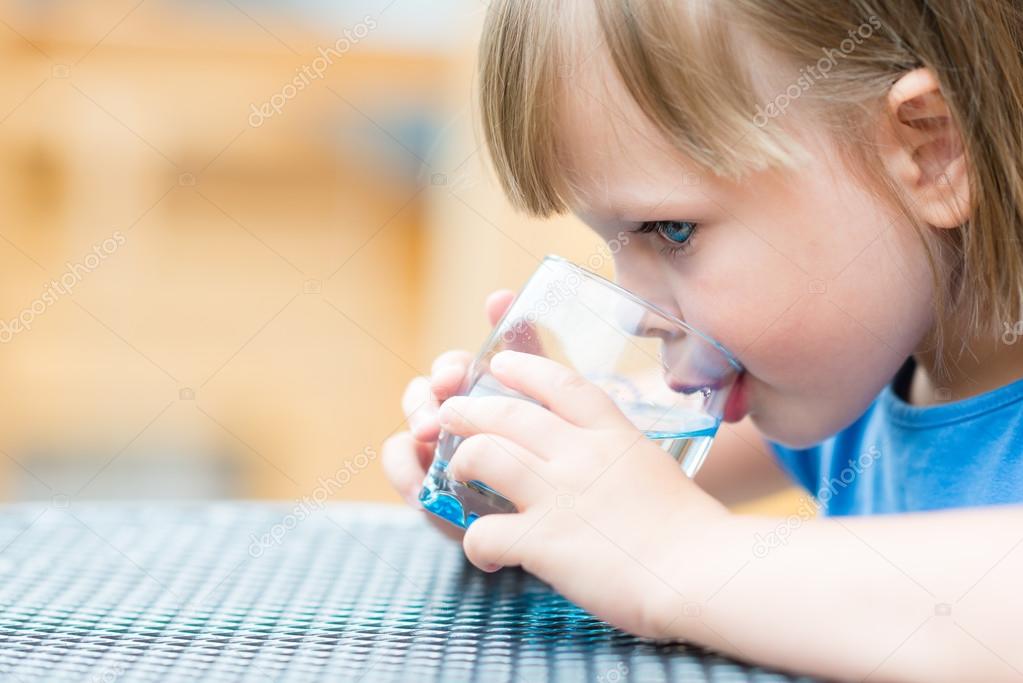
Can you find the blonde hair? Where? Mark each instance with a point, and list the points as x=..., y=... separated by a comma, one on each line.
x=683, y=64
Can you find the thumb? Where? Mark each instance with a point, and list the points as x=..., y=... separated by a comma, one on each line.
x=497, y=303
x=523, y=334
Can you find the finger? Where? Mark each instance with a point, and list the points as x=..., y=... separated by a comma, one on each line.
x=420, y=407
x=456, y=357
x=403, y=466
x=531, y=426
x=520, y=334
x=447, y=373
x=425, y=451
x=502, y=465
x=497, y=303
x=563, y=390
x=495, y=541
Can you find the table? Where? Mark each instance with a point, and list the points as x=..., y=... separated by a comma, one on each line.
x=232, y=591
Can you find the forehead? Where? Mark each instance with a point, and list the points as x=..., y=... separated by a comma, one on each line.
x=615, y=160
x=608, y=99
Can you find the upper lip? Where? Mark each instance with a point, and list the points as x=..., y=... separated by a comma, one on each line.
x=691, y=367
x=690, y=387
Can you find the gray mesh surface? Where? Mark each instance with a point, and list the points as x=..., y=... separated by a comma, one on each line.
x=224, y=592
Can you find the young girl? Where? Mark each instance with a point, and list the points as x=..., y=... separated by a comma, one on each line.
x=834, y=191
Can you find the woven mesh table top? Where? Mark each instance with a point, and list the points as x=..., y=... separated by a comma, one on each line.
x=245, y=591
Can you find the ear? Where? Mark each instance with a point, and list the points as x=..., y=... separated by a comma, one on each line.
x=922, y=148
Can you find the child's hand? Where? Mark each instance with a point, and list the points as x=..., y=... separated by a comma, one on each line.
x=605, y=516
x=407, y=455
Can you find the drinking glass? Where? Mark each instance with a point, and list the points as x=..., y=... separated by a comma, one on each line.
x=670, y=380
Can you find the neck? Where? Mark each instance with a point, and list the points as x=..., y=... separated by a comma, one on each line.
x=984, y=364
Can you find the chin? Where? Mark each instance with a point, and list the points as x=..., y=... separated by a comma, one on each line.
x=797, y=427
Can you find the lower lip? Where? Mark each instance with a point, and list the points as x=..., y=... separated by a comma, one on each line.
x=735, y=406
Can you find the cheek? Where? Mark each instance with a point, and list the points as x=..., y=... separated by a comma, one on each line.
x=735, y=287
x=821, y=303
x=813, y=258
x=873, y=307
x=819, y=366
x=847, y=340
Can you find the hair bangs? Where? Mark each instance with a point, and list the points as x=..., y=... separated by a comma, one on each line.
x=678, y=62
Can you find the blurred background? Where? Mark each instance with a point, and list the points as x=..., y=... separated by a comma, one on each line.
x=230, y=232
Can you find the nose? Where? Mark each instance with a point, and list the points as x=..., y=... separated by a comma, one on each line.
x=643, y=277
x=637, y=273
x=689, y=362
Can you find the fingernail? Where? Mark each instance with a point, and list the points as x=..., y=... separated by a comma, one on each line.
x=445, y=377
x=491, y=568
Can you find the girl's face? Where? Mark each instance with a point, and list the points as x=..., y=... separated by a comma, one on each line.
x=817, y=286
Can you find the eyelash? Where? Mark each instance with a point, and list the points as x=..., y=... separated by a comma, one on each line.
x=670, y=248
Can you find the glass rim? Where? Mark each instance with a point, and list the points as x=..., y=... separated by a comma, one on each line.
x=601, y=280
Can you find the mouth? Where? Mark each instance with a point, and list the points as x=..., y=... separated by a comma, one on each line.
x=736, y=406
x=737, y=403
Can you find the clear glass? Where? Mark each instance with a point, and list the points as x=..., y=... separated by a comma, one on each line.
x=670, y=380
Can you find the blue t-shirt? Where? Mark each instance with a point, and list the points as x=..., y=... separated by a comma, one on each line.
x=901, y=458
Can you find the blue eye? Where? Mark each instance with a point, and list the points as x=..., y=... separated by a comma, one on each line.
x=676, y=231
x=678, y=234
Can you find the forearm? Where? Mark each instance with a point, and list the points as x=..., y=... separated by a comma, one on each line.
x=925, y=597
